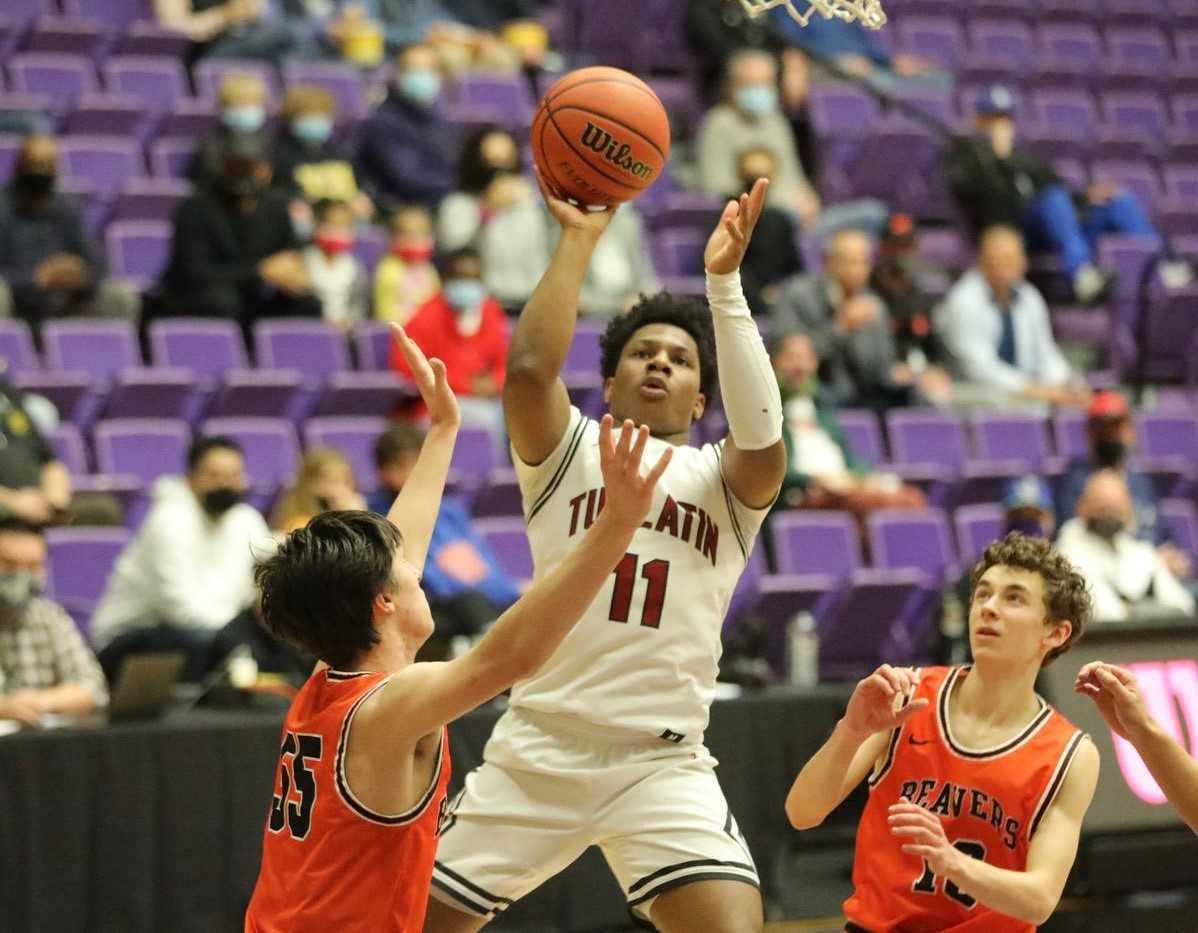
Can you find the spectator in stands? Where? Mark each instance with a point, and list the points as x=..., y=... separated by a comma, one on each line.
x=1027, y=504
x=406, y=277
x=492, y=35
x=773, y=253
x=307, y=163
x=850, y=328
x=339, y=280
x=716, y=30
x=996, y=328
x=49, y=266
x=465, y=328
x=621, y=266
x=822, y=470
x=236, y=29
x=902, y=278
x=45, y=665
x=996, y=183
x=324, y=483
x=189, y=570
x=496, y=211
x=235, y=254
x=1112, y=437
x=467, y=588
x=407, y=146
x=242, y=99
x=1127, y=577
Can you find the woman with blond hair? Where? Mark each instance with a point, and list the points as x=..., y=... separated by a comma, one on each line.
x=324, y=483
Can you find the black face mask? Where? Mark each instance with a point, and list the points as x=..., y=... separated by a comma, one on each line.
x=218, y=501
x=1105, y=526
x=1109, y=453
x=34, y=184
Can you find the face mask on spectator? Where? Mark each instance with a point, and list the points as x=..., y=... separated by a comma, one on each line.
x=247, y=118
x=35, y=184
x=17, y=588
x=218, y=501
x=1105, y=526
x=424, y=87
x=464, y=294
x=1109, y=453
x=313, y=127
x=757, y=99
x=418, y=252
x=334, y=244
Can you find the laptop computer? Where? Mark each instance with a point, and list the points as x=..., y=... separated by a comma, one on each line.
x=145, y=684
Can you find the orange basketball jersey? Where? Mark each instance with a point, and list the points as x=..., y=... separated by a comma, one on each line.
x=328, y=861
x=989, y=800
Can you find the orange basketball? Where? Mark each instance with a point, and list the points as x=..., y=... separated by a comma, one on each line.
x=600, y=137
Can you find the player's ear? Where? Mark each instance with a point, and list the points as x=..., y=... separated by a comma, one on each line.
x=1059, y=634
x=608, y=383
x=384, y=603
x=699, y=407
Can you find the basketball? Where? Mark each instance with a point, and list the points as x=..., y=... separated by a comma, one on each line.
x=600, y=137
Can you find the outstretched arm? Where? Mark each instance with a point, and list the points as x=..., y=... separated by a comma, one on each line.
x=857, y=742
x=1116, y=693
x=535, y=404
x=415, y=509
x=754, y=454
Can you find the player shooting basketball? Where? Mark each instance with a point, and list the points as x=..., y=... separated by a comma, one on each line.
x=977, y=787
x=604, y=746
x=364, y=762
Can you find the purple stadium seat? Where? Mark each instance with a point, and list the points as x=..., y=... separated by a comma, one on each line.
x=372, y=345
x=117, y=13
x=143, y=447
x=1009, y=436
x=138, y=250
x=150, y=199
x=270, y=444
x=206, y=347
x=154, y=80
x=864, y=435
x=56, y=75
x=1071, y=111
x=506, y=96
x=365, y=393
x=1169, y=334
x=473, y=456
x=370, y=245
x=28, y=112
x=16, y=347
x=78, y=563
x=315, y=348
x=688, y=209
x=148, y=38
x=1134, y=12
x=100, y=348
x=1008, y=40
x=67, y=443
x=73, y=393
x=342, y=80
x=936, y=38
x=258, y=393
x=1140, y=113
x=171, y=156
x=109, y=114
x=915, y=538
x=1069, y=433
x=1181, y=14
x=106, y=162
x=1182, y=522
x=153, y=393
x=977, y=527
x=876, y=619
x=1126, y=255
x=816, y=542
x=68, y=34
x=1181, y=182
x=354, y=437
x=583, y=357
x=211, y=71
x=1168, y=435
x=843, y=110
x=10, y=148
x=678, y=252
x=1139, y=178
x=24, y=11
x=1137, y=56
x=508, y=539
x=499, y=495
x=1070, y=53
x=188, y=119
x=1184, y=108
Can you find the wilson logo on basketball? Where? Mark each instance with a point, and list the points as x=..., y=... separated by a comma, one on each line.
x=616, y=152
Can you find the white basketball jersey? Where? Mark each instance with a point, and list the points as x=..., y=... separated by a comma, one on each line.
x=644, y=658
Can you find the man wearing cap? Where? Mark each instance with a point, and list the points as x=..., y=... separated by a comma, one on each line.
x=1111, y=434
x=1027, y=502
x=995, y=183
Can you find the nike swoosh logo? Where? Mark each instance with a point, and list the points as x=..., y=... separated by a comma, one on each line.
x=914, y=741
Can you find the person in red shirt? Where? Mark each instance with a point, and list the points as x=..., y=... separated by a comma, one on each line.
x=364, y=757
x=466, y=328
x=977, y=787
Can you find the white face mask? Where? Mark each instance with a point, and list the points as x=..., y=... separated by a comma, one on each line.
x=17, y=588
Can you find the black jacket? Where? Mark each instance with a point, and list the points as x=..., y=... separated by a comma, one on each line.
x=990, y=190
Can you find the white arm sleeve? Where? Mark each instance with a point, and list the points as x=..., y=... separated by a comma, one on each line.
x=752, y=401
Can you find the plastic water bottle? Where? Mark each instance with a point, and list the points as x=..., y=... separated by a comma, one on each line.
x=803, y=644
x=952, y=626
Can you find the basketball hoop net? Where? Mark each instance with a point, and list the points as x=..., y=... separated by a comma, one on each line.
x=868, y=12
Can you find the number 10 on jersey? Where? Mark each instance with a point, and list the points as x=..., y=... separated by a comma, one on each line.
x=656, y=573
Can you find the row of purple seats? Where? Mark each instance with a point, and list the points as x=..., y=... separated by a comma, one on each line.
x=1131, y=12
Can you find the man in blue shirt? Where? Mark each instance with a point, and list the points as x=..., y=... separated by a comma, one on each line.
x=465, y=585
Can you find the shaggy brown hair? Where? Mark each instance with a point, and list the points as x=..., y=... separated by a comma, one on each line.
x=1066, y=598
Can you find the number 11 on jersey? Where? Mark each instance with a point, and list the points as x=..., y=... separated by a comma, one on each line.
x=656, y=572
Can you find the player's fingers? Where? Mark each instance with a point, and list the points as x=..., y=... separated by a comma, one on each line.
x=417, y=361
x=1121, y=674
x=910, y=710
x=757, y=201
x=440, y=374
x=921, y=851
x=1088, y=689
x=625, y=443
x=638, y=450
x=731, y=209
x=660, y=467
x=892, y=677
x=607, y=447
x=1112, y=683
x=734, y=232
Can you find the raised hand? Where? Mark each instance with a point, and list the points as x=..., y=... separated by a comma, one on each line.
x=728, y=242
x=925, y=835
x=1117, y=695
x=571, y=217
x=872, y=707
x=628, y=494
x=431, y=379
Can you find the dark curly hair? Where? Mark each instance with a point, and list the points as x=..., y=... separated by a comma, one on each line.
x=690, y=314
x=319, y=586
x=1065, y=595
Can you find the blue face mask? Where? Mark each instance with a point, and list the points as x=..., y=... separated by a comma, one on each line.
x=757, y=99
x=464, y=294
x=248, y=119
x=424, y=87
x=312, y=128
